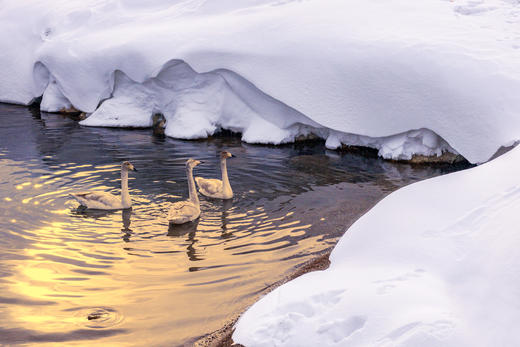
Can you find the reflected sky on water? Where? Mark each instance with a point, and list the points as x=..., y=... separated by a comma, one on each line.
x=126, y=277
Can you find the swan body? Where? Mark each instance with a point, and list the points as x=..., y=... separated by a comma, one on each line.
x=98, y=200
x=183, y=212
x=189, y=210
x=215, y=188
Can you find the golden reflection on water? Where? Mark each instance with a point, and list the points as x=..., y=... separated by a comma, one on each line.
x=132, y=265
x=126, y=277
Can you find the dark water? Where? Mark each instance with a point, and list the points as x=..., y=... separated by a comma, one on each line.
x=124, y=278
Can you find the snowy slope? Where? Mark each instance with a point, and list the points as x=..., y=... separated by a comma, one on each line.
x=283, y=68
x=434, y=264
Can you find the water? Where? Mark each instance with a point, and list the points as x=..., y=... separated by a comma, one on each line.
x=126, y=278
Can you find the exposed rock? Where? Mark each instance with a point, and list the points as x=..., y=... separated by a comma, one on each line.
x=158, y=124
x=503, y=150
x=36, y=102
x=445, y=158
x=307, y=137
x=365, y=151
x=71, y=111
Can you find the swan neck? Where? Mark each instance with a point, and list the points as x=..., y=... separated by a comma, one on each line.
x=226, y=187
x=125, y=196
x=194, y=198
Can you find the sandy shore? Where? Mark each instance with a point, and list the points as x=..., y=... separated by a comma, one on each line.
x=222, y=337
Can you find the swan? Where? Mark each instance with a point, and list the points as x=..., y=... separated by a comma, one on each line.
x=186, y=211
x=105, y=201
x=214, y=188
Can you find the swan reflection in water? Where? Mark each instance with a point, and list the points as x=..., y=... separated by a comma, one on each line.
x=182, y=229
x=126, y=218
x=226, y=206
x=190, y=228
x=81, y=211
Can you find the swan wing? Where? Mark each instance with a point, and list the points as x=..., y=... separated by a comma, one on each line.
x=98, y=200
x=183, y=212
x=209, y=186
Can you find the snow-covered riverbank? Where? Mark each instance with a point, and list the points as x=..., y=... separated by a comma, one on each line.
x=433, y=264
x=350, y=72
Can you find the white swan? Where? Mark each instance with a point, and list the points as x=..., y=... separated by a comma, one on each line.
x=186, y=211
x=214, y=188
x=106, y=201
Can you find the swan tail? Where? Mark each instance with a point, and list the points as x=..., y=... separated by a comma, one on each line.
x=79, y=198
x=200, y=182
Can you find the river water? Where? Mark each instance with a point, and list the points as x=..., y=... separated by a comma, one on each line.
x=126, y=278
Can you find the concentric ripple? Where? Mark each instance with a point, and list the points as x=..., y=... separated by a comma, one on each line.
x=97, y=317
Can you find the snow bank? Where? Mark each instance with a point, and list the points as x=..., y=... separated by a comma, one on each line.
x=434, y=264
x=198, y=105
x=374, y=69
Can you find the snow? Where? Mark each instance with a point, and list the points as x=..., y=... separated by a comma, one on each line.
x=197, y=105
x=399, y=147
x=277, y=70
x=433, y=264
x=53, y=99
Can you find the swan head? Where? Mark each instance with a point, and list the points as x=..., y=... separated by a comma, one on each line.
x=191, y=163
x=126, y=165
x=225, y=155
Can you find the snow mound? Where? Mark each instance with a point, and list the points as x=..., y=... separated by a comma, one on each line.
x=433, y=264
x=374, y=69
x=198, y=105
x=397, y=147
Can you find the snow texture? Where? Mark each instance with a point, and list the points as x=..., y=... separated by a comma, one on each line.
x=277, y=70
x=433, y=264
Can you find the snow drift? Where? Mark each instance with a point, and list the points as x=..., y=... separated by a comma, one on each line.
x=433, y=264
x=198, y=105
x=357, y=68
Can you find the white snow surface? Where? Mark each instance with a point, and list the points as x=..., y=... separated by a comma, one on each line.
x=433, y=264
x=277, y=69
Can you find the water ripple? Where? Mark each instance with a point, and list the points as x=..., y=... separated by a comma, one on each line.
x=70, y=273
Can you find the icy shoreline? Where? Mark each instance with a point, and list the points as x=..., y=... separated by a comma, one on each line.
x=197, y=105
